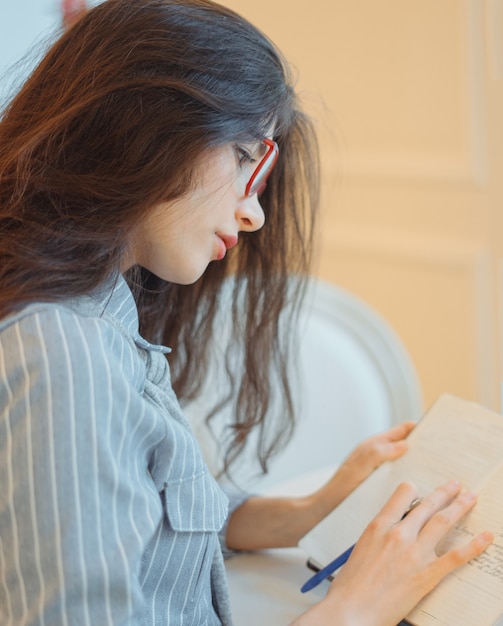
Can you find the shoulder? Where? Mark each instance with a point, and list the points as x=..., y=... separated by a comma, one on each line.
x=62, y=378
x=53, y=328
x=52, y=341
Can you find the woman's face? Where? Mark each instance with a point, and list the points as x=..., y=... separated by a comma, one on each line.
x=180, y=238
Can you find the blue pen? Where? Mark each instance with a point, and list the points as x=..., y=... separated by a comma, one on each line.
x=337, y=563
x=325, y=572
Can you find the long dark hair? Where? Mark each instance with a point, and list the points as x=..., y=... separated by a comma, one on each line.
x=111, y=123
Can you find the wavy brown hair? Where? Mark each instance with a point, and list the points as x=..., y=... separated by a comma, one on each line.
x=111, y=123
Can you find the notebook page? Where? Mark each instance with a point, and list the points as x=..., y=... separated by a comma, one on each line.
x=472, y=594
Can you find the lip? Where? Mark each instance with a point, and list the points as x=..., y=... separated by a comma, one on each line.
x=229, y=240
x=225, y=243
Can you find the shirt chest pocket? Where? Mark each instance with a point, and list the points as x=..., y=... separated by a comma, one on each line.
x=195, y=504
x=192, y=499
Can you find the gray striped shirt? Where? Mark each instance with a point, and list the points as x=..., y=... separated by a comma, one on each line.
x=108, y=514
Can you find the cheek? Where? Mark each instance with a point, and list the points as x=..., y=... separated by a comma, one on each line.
x=168, y=224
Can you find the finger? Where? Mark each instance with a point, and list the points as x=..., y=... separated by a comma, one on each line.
x=432, y=503
x=460, y=555
x=392, y=450
x=393, y=443
x=400, y=431
x=396, y=433
x=397, y=504
x=442, y=521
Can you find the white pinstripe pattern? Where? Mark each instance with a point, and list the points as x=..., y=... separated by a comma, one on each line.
x=75, y=473
x=107, y=512
x=54, y=499
x=31, y=476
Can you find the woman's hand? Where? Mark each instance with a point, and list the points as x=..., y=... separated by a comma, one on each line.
x=364, y=459
x=281, y=522
x=394, y=564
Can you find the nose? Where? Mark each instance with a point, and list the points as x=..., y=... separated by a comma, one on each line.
x=249, y=214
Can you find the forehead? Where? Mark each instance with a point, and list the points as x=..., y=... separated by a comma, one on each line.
x=215, y=165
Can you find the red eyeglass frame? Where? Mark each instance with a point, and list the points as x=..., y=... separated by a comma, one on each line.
x=269, y=159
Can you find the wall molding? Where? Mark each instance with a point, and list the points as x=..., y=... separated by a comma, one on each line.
x=468, y=168
x=494, y=36
x=469, y=260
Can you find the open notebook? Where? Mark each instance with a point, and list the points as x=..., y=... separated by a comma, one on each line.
x=455, y=439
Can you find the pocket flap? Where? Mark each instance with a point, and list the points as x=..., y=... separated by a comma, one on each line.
x=195, y=504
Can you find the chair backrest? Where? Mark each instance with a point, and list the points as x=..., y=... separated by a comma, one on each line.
x=355, y=379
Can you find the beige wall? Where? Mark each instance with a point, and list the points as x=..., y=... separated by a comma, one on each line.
x=408, y=96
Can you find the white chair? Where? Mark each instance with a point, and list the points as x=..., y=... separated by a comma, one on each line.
x=355, y=379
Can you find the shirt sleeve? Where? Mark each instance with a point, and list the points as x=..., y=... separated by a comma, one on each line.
x=236, y=497
x=77, y=503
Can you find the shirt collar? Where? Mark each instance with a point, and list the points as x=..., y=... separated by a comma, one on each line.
x=115, y=300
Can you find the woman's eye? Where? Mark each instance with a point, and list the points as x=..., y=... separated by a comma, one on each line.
x=244, y=156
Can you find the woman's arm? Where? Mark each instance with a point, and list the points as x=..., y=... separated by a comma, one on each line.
x=76, y=510
x=280, y=522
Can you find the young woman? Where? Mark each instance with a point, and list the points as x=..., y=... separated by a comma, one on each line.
x=138, y=165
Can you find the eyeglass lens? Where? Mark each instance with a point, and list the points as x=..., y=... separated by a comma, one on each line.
x=260, y=175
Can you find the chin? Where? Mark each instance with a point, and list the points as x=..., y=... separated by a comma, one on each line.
x=179, y=278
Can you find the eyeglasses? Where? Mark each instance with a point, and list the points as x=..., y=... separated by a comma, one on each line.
x=258, y=179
